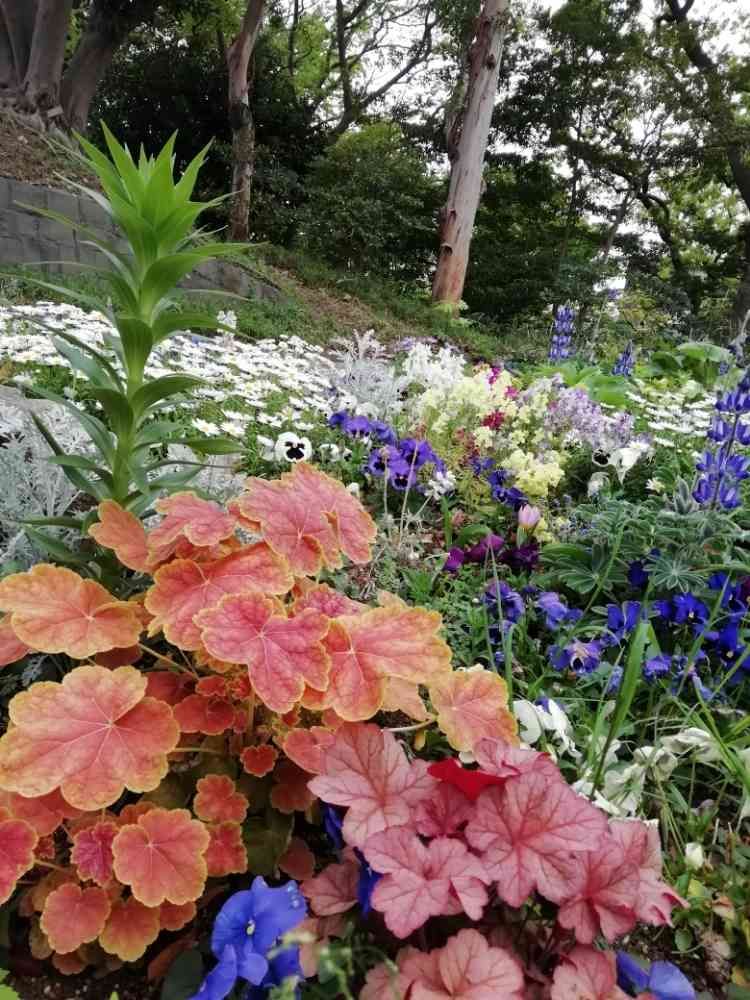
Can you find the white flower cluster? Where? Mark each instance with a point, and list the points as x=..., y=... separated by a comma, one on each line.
x=252, y=372
x=439, y=370
x=676, y=418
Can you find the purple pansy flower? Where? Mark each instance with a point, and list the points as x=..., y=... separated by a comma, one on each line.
x=662, y=979
x=579, y=656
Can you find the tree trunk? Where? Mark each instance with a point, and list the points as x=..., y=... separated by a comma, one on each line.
x=467, y=158
x=238, y=57
x=41, y=85
x=9, y=81
x=17, y=17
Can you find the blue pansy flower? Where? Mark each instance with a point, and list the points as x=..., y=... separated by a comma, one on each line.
x=581, y=657
x=247, y=928
x=657, y=666
x=688, y=608
x=338, y=419
x=663, y=980
x=357, y=426
x=368, y=879
x=556, y=611
x=383, y=432
x=511, y=603
x=622, y=620
x=283, y=965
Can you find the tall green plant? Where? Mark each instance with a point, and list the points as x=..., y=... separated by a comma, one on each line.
x=158, y=218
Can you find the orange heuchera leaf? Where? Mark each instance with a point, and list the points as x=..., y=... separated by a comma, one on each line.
x=123, y=532
x=297, y=861
x=124, y=657
x=354, y=527
x=133, y=812
x=92, y=736
x=168, y=687
x=55, y=611
x=211, y=687
x=282, y=654
x=328, y=601
x=183, y=588
x=92, y=852
x=72, y=916
x=307, y=746
x=202, y=522
x=366, y=649
x=471, y=705
x=161, y=857
x=291, y=793
x=17, y=843
x=44, y=814
x=226, y=854
x=296, y=530
x=211, y=716
x=11, y=647
x=48, y=884
x=174, y=918
x=402, y=696
x=69, y=965
x=259, y=761
x=218, y=800
x=131, y=928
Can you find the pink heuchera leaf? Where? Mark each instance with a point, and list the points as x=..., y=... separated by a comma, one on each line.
x=73, y=916
x=328, y=601
x=505, y=761
x=403, y=696
x=44, y=813
x=655, y=900
x=202, y=522
x=443, y=813
x=123, y=532
x=211, y=716
x=473, y=705
x=17, y=842
x=335, y=889
x=282, y=654
x=11, y=647
x=586, y=974
x=306, y=747
x=526, y=832
x=421, y=881
x=183, y=588
x=92, y=852
x=470, y=969
x=297, y=861
x=601, y=896
x=366, y=770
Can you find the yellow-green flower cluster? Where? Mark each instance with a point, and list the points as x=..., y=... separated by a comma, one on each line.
x=465, y=403
x=534, y=474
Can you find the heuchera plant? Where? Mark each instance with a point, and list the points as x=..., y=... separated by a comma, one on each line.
x=231, y=696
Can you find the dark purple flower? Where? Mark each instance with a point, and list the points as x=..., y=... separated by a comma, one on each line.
x=481, y=466
x=663, y=980
x=456, y=559
x=490, y=543
x=400, y=474
x=333, y=823
x=523, y=558
x=637, y=575
x=728, y=643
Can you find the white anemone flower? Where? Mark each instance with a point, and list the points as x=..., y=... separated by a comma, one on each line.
x=291, y=448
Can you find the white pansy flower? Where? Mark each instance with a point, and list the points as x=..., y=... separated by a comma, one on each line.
x=694, y=856
x=550, y=718
x=266, y=446
x=354, y=489
x=623, y=459
x=291, y=448
x=596, y=483
x=693, y=740
x=330, y=452
x=655, y=485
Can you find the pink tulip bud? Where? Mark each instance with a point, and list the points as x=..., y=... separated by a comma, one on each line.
x=529, y=517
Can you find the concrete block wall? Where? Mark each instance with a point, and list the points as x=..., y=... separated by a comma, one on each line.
x=27, y=238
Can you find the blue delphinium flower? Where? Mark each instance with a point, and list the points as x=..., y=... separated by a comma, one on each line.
x=581, y=657
x=663, y=980
x=556, y=611
x=562, y=334
x=721, y=471
x=247, y=928
x=626, y=362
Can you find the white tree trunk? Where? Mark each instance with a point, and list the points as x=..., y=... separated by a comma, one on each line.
x=471, y=132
